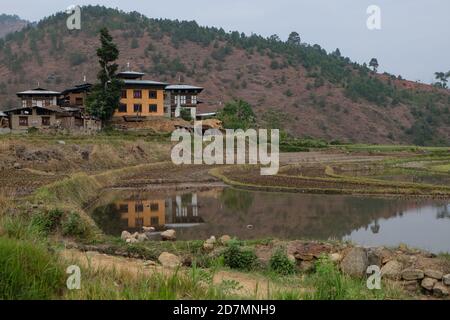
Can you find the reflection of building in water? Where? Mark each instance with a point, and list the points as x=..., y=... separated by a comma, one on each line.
x=141, y=213
x=183, y=211
x=179, y=212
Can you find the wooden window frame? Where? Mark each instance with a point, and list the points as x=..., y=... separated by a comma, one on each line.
x=45, y=121
x=153, y=94
x=137, y=94
x=23, y=119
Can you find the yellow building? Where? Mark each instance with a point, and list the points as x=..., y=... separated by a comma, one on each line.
x=148, y=213
x=140, y=98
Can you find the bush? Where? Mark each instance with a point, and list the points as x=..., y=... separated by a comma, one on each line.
x=47, y=222
x=28, y=271
x=238, y=258
x=280, y=263
x=73, y=225
x=186, y=114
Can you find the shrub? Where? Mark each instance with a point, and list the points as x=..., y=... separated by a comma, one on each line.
x=280, y=263
x=186, y=115
x=237, y=258
x=28, y=271
x=73, y=225
x=47, y=221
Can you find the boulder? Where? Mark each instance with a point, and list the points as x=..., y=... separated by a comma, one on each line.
x=208, y=246
x=307, y=266
x=428, y=283
x=336, y=257
x=142, y=237
x=355, y=263
x=412, y=274
x=307, y=251
x=148, y=229
x=446, y=279
x=392, y=270
x=169, y=235
x=411, y=286
x=125, y=235
x=17, y=166
x=374, y=255
x=169, y=260
x=434, y=274
x=149, y=263
x=211, y=240
x=132, y=240
x=225, y=239
x=440, y=290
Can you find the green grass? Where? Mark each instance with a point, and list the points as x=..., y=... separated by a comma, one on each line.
x=28, y=271
x=328, y=283
x=113, y=285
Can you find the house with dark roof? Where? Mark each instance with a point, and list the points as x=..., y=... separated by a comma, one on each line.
x=140, y=98
x=147, y=98
x=38, y=109
x=183, y=97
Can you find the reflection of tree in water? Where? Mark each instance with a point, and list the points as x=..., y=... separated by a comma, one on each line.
x=443, y=212
x=236, y=200
x=375, y=227
x=109, y=219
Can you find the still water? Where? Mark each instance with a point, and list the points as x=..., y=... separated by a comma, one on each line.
x=370, y=221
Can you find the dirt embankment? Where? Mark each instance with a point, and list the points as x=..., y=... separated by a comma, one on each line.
x=28, y=162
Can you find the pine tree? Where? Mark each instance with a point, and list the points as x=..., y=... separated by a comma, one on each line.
x=105, y=96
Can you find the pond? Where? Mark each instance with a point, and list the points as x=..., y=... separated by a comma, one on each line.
x=423, y=224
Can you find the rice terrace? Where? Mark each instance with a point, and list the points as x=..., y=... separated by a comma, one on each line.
x=342, y=193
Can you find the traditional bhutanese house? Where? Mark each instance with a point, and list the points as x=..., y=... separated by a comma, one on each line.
x=40, y=117
x=76, y=96
x=182, y=96
x=140, y=98
x=38, y=109
x=4, y=120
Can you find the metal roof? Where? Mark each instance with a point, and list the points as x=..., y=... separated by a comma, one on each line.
x=132, y=73
x=145, y=83
x=2, y=114
x=182, y=87
x=39, y=91
x=50, y=108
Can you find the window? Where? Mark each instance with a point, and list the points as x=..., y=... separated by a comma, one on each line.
x=154, y=221
x=138, y=108
x=23, y=121
x=123, y=208
x=139, y=207
x=139, y=222
x=124, y=94
x=122, y=107
x=79, y=101
x=153, y=108
x=194, y=100
x=154, y=207
x=45, y=121
x=153, y=94
x=137, y=94
x=182, y=100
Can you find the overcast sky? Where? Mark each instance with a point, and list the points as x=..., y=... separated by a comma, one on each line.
x=414, y=39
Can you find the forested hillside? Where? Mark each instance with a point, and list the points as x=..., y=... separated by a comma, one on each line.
x=296, y=86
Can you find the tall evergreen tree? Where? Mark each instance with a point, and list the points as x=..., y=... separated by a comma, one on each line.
x=374, y=64
x=294, y=39
x=105, y=96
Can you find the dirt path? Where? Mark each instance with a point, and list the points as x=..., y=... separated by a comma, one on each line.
x=248, y=285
